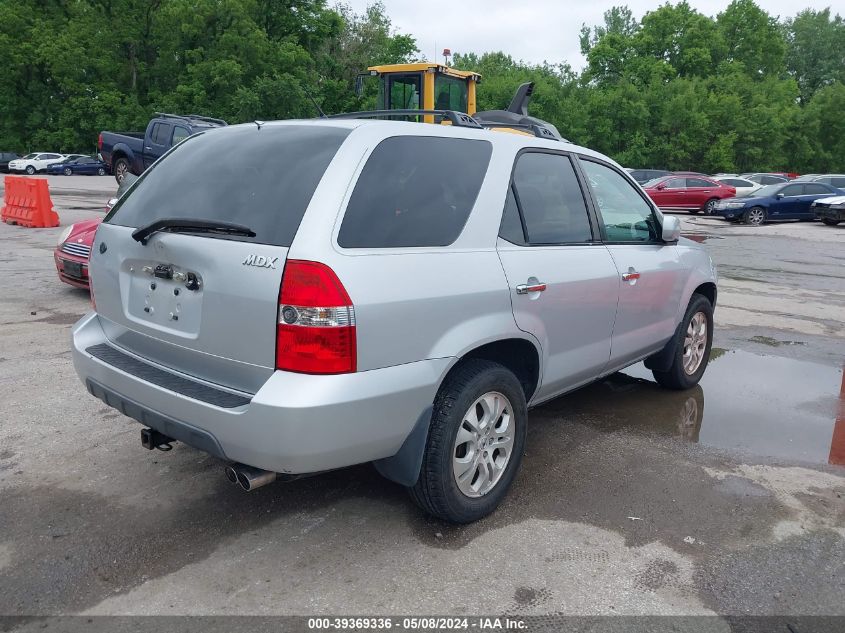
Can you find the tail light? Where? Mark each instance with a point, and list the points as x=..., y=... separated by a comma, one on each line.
x=316, y=322
x=100, y=142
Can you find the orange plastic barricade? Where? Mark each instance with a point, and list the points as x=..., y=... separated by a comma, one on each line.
x=27, y=203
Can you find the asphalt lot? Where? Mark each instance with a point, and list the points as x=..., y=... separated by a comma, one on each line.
x=631, y=499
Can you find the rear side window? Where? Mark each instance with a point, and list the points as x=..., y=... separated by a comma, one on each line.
x=261, y=178
x=414, y=191
x=550, y=198
x=813, y=188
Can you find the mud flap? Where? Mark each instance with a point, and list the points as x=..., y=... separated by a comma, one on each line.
x=404, y=466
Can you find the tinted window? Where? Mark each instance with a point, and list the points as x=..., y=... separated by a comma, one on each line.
x=551, y=200
x=511, y=227
x=624, y=213
x=698, y=182
x=771, y=180
x=450, y=93
x=813, y=189
x=737, y=182
x=85, y=160
x=262, y=178
x=179, y=133
x=414, y=191
x=676, y=183
x=49, y=156
x=837, y=181
x=405, y=92
x=792, y=190
x=160, y=133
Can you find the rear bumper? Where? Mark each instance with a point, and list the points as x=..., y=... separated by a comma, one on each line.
x=296, y=423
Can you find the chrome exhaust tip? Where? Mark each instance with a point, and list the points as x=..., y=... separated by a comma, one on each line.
x=231, y=474
x=249, y=478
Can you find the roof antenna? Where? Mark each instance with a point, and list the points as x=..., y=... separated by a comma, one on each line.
x=314, y=101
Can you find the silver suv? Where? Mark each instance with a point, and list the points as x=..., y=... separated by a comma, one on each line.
x=302, y=296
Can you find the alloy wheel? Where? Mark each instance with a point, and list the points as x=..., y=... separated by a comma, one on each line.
x=483, y=444
x=756, y=216
x=695, y=343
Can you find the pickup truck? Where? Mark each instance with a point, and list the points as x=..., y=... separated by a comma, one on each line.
x=133, y=152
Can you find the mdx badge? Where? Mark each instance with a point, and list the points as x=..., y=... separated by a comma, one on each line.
x=261, y=261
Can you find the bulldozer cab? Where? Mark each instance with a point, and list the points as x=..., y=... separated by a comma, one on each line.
x=425, y=86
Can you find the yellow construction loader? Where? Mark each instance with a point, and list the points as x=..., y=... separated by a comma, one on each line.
x=434, y=93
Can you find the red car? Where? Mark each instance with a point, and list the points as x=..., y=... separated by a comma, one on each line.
x=73, y=250
x=691, y=193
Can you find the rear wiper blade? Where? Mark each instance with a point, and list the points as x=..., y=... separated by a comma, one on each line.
x=189, y=225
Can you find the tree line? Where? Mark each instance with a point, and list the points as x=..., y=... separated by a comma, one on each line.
x=739, y=91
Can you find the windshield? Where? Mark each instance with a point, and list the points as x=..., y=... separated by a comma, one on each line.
x=29, y=156
x=261, y=178
x=768, y=190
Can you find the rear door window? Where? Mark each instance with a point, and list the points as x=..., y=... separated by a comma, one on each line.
x=414, y=191
x=699, y=182
x=261, y=178
x=550, y=200
x=814, y=189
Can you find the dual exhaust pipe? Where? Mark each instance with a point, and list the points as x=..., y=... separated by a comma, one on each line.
x=249, y=478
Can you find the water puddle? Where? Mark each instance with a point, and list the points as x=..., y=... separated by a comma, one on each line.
x=765, y=405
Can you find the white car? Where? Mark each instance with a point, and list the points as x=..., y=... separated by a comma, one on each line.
x=32, y=163
x=743, y=186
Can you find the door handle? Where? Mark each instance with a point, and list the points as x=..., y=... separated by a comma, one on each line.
x=524, y=289
x=631, y=275
x=148, y=147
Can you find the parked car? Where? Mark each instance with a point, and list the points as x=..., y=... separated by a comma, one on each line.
x=36, y=162
x=81, y=165
x=693, y=193
x=790, y=201
x=766, y=179
x=5, y=157
x=743, y=186
x=260, y=309
x=837, y=180
x=73, y=249
x=133, y=152
x=831, y=211
x=644, y=175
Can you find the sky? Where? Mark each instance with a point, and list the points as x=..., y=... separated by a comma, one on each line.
x=531, y=30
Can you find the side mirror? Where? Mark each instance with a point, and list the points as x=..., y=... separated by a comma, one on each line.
x=660, y=187
x=779, y=196
x=671, y=229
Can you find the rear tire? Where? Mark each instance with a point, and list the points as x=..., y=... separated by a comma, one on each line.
x=121, y=168
x=755, y=216
x=830, y=222
x=692, y=347
x=101, y=171
x=485, y=403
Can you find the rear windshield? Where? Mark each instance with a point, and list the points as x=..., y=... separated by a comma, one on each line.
x=261, y=178
x=415, y=191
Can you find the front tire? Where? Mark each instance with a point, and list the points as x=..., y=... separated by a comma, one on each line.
x=692, y=342
x=68, y=171
x=755, y=216
x=30, y=170
x=101, y=171
x=475, y=443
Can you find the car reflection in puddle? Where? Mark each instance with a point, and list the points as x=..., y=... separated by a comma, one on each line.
x=765, y=405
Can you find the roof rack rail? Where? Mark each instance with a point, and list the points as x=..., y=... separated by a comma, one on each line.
x=192, y=117
x=539, y=131
x=459, y=119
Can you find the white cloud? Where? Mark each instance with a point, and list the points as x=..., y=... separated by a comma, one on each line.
x=532, y=30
